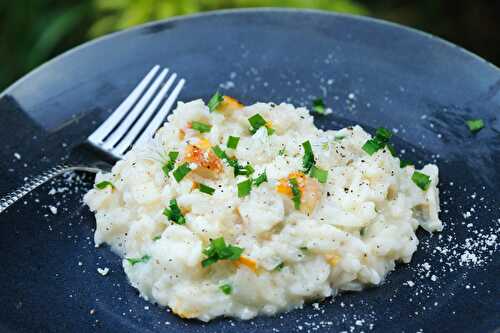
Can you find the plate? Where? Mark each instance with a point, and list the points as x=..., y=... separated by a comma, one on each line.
x=369, y=72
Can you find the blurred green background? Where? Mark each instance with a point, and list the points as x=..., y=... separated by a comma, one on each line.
x=33, y=31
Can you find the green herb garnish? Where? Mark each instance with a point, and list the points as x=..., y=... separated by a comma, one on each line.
x=143, y=259
x=380, y=140
x=239, y=170
x=475, y=125
x=226, y=288
x=308, y=159
x=383, y=134
x=214, y=102
x=339, y=137
x=296, y=194
x=244, y=188
x=201, y=127
x=170, y=165
x=371, y=146
x=320, y=174
x=279, y=267
x=257, y=121
x=260, y=179
x=404, y=163
x=219, y=152
x=102, y=185
x=362, y=231
x=282, y=151
x=392, y=150
x=232, y=142
x=304, y=248
x=181, y=172
x=219, y=250
x=206, y=189
x=421, y=180
x=318, y=106
x=243, y=170
x=173, y=213
x=155, y=238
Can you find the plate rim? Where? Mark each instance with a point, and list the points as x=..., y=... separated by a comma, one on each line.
x=221, y=12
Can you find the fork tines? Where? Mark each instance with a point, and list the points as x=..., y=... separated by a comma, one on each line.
x=138, y=117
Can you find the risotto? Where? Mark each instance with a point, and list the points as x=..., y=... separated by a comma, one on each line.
x=236, y=210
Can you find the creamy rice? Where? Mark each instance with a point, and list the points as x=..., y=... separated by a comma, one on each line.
x=344, y=234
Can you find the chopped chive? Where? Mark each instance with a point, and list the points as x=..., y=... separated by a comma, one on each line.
x=304, y=248
x=392, y=150
x=475, y=125
x=371, y=146
x=249, y=169
x=421, y=180
x=325, y=146
x=226, y=288
x=257, y=121
x=155, y=238
x=201, y=127
x=320, y=174
x=219, y=152
x=206, y=189
x=243, y=171
x=296, y=194
x=214, y=102
x=404, y=163
x=102, y=185
x=173, y=155
x=219, y=250
x=244, y=188
x=170, y=165
x=238, y=169
x=260, y=179
x=235, y=252
x=232, y=142
x=181, y=172
x=233, y=162
x=167, y=168
x=318, y=106
x=282, y=151
x=173, y=213
x=383, y=134
x=143, y=259
x=279, y=267
x=308, y=159
x=339, y=137
x=207, y=262
x=381, y=139
x=362, y=231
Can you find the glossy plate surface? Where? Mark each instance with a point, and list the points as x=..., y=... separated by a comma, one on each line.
x=370, y=72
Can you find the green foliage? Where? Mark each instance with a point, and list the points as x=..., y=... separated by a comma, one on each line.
x=33, y=31
x=121, y=14
x=53, y=31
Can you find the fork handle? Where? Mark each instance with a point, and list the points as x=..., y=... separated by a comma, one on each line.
x=36, y=181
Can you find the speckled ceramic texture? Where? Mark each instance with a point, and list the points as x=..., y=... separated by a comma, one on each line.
x=369, y=72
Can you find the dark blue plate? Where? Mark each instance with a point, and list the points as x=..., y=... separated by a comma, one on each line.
x=370, y=72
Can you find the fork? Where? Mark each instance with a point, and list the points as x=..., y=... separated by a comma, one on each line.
x=133, y=122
